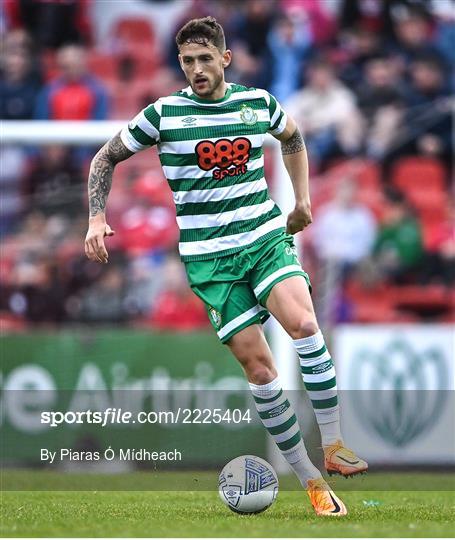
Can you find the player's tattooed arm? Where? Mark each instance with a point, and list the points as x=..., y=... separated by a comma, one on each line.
x=295, y=160
x=293, y=144
x=99, y=185
x=101, y=171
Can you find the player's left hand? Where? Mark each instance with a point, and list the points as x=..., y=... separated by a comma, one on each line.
x=299, y=218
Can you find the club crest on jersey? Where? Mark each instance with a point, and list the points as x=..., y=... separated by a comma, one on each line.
x=216, y=317
x=248, y=116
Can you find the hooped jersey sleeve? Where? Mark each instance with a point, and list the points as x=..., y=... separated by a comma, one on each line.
x=278, y=117
x=144, y=129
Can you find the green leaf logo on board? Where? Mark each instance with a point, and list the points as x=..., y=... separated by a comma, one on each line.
x=248, y=116
x=399, y=391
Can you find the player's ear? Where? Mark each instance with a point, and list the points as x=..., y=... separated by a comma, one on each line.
x=180, y=61
x=227, y=57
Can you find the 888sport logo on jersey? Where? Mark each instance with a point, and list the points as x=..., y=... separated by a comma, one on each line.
x=227, y=158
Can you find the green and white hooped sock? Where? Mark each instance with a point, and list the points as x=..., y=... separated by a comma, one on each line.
x=318, y=374
x=278, y=417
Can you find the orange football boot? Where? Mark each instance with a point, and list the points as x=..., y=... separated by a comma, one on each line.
x=340, y=460
x=324, y=500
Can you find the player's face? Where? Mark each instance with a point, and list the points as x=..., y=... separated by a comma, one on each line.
x=204, y=67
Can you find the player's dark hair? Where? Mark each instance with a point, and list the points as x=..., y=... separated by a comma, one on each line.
x=202, y=31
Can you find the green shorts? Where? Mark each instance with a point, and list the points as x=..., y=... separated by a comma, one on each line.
x=235, y=288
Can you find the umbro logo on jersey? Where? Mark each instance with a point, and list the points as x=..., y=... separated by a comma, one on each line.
x=189, y=121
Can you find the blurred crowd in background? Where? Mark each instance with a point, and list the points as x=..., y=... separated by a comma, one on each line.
x=369, y=83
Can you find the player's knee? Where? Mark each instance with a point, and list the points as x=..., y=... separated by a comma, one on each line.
x=258, y=368
x=260, y=374
x=303, y=328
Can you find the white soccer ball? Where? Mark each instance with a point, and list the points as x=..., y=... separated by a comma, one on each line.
x=248, y=485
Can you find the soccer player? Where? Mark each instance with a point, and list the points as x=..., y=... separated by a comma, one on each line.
x=237, y=249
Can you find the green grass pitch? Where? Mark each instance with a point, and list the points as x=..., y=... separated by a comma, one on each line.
x=373, y=511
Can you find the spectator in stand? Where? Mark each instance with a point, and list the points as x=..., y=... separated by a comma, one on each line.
x=13, y=160
x=19, y=85
x=35, y=292
x=105, y=300
x=427, y=122
x=398, y=250
x=249, y=43
x=358, y=13
x=17, y=39
x=145, y=277
x=440, y=257
x=55, y=183
x=413, y=36
x=430, y=92
x=30, y=238
x=356, y=47
x=344, y=230
x=75, y=94
x=376, y=15
x=176, y=307
x=318, y=15
x=326, y=114
x=444, y=36
x=52, y=23
x=290, y=45
x=380, y=100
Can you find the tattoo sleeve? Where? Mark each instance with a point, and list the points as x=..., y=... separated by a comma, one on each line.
x=294, y=144
x=101, y=170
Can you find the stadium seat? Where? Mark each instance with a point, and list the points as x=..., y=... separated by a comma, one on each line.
x=368, y=175
x=424, y=300
x=152, y=188
x=11, y=323
x=121, y=108
x=143, y=66
x=374, y=200
x=428, y=201
x=419, y=174
x=136, y=38
x=369, y=303
x=135, y=30
x=104, y=66
x=139, y=164
x=430, y=229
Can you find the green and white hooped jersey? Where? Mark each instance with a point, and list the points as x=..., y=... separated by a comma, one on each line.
x=211, y=154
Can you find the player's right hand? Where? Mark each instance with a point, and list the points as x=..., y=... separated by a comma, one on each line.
x=94, y=241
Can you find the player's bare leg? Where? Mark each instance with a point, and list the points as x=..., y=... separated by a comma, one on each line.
x=251, y=349
x=290, y=302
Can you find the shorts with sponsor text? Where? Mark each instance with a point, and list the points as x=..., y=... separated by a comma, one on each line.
x=235, y=288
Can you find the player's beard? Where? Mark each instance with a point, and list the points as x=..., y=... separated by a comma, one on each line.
x=212, y=87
